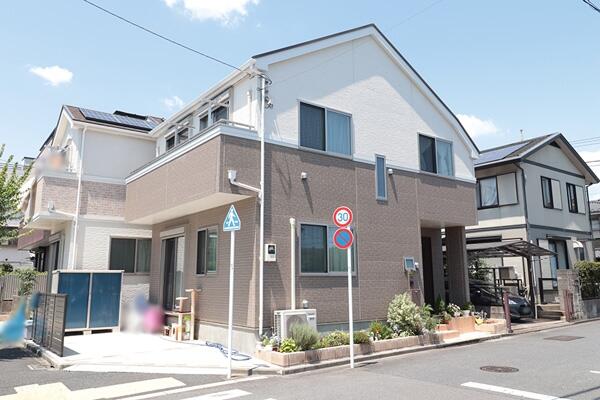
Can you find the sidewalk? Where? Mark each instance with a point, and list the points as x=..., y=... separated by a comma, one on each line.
x=142, y=353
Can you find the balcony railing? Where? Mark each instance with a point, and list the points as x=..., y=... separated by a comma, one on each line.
x=198, y=136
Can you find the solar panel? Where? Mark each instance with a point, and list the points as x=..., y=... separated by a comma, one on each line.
x=498, y=154
x=118, y=119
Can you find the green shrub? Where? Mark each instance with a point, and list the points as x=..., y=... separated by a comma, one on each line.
x=361, y=337
x=337, y=338
x=380, y=331
x=404, y=316
x=589, y=278
x=304, y=335
x=288, y=345
x=5, y=268
x=27, y=280
x=440, y=305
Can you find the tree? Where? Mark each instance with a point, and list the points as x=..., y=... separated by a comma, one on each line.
x=11, y=182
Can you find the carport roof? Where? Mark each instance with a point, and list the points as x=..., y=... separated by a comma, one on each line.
x=519, y=248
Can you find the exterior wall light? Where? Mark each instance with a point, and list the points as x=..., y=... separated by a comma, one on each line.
x=304, y=176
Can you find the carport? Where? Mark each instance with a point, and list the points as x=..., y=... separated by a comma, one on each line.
x=512, y=248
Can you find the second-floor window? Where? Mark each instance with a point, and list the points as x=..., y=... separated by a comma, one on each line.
x=551, y=197
x=495, y=191
x=324, y=129
x=575, y=198
x=436, y=156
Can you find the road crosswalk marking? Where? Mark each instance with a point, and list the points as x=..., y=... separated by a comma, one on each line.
x=226, y=395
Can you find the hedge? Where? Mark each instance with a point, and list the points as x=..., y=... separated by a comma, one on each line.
x=589, y=278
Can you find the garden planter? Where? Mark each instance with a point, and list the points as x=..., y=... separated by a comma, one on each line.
x=462, y=324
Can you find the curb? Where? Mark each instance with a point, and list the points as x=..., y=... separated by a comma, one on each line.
x=384, y=354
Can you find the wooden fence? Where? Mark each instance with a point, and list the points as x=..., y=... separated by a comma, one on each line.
x=9, y=288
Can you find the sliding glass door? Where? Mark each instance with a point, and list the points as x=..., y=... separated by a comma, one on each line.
x=172, y=260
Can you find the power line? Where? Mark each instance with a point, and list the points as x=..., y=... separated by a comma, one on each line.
x=176, y=43
x=591, y=4
x=421, y=11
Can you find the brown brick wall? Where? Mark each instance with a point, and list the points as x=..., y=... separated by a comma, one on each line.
x=386, y=231
x=98, y=198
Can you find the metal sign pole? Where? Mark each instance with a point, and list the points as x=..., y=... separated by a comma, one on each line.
x=230, y=318
x=350, y=316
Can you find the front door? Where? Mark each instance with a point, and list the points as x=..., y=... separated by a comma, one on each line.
x=427, y=258
x=173, y=258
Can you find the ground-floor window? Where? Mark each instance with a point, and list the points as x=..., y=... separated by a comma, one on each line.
x=130, y=255
x=206, y=260
x=318, y=254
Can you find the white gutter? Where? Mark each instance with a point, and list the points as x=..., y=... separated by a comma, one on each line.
x=293, y=262
x=78, y=204
x=261, y=257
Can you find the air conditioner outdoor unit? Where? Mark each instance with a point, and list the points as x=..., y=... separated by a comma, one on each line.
x=284, y=319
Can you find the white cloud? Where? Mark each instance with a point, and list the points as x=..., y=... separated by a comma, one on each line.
x=227, y=12
x=593, y=155
x=476, y=126
x=54, y=75
x=173, y=103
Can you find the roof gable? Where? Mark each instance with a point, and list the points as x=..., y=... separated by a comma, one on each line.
x=263, y=60
x=515, y=152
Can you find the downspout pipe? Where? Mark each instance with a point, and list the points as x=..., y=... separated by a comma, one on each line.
x=77, y=203
x=293, y=263
x=530, y=264
x=261, y=259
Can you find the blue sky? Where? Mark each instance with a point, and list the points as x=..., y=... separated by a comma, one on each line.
x=504, y=66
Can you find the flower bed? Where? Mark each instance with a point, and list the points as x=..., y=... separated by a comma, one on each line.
x=340, y=352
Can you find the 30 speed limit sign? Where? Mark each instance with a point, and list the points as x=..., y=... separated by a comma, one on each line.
x=342, y=216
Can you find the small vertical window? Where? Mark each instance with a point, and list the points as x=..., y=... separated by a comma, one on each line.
x=427, y=153
x=313, y=248
x=445, y=165
x=203, y=123
x=312, y=127
x=182, y=135
x=547, y=192
x=170, y=142
x=380, y=181
x=572, y=197
x=338, y=133
x=206, y=260
x=488, y=192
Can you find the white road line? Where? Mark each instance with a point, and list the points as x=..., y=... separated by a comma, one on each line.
x=509, y=391
x=595, y=372
x=228, y=394
x=198, y=387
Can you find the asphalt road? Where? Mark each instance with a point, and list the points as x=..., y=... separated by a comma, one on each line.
x=547, y=369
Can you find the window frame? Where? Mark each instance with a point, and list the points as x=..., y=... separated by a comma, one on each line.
x=551, y=207
x=328, y=273
x=385, y=183
x=325, y=110
x=207, y=229
x=572, y=185
x=435, y=155
x=135, y=252
x=479, y=202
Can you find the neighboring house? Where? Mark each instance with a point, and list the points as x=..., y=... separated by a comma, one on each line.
x=347, y=122
x=74, y=199
x=595, y=214
x=535, y=190
x=9, y=252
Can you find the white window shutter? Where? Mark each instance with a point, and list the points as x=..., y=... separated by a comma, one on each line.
x=556, y=194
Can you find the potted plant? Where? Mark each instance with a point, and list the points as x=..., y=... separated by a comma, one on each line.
x=453, y=310
x=466, y=309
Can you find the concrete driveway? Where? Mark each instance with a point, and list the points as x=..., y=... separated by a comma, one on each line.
x=143, y=353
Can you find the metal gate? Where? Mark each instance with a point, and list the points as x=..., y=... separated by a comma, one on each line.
x=49, y=322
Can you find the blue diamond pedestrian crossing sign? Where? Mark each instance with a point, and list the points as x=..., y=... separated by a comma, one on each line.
x=232, y=221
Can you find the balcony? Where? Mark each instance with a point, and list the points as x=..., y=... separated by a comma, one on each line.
x=192, y=177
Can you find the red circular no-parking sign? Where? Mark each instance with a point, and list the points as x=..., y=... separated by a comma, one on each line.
x=343, y=238
x=342, y=216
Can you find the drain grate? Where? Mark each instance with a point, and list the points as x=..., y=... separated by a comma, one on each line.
x=497, y=368
x=564, y=338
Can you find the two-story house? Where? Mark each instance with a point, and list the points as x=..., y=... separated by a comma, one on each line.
x=535, y=190
x=595, y=216
x=339, y=120
x=74, y=199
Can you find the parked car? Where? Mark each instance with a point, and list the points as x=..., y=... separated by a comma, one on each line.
x=485, y=294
